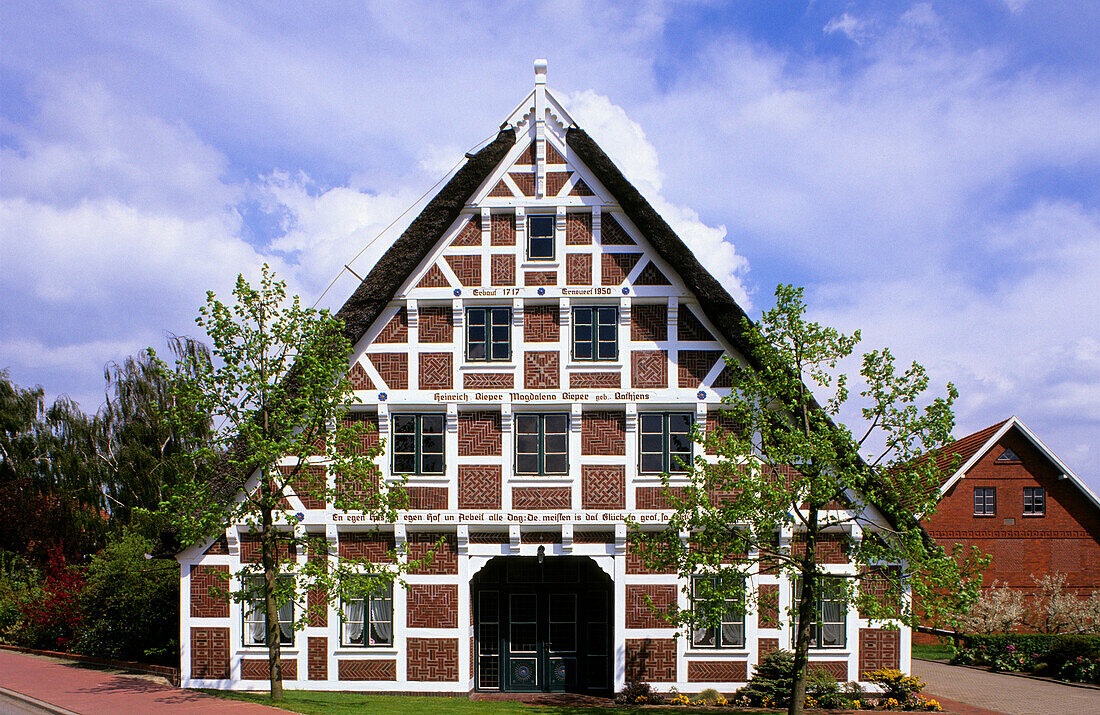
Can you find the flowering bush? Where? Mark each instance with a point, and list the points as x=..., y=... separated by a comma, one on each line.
x=638, y=693
x=53, y=619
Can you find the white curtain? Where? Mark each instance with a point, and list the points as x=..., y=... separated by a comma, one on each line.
x=833, y=618
x=381, y=616
x=353, y=611
x=256, y=622
x=286, y=621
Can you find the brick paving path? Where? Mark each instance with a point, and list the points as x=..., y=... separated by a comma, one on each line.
x=1008, y=694
x=76, y=687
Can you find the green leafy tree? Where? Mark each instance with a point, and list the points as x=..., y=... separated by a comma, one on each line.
x=275, y=385
x=788, y=477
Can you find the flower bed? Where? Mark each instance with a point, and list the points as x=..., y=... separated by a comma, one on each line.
x=1074, y=658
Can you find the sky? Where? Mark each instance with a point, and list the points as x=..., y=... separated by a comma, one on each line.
x=929, y=171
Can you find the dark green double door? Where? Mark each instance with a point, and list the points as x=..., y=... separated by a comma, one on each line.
x=543, y=627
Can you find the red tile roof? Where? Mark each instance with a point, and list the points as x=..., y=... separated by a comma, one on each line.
x=964, y=448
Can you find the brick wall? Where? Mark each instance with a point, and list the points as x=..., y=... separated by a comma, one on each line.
x=831, y=547
x=317, y=658
x=436, y=323
x=542, y=497
x=479, y=433
x=578, y=269
x=603, y=486
x=427, y=498
x=694, y=365
x=210, y=653
x=470, y=235
x=397, y=330
x=251, y=549
x=503, y=230
x=540, y=370
x=466, y=268
x=879, y=648
x=688, y=327
x=366, y=669
x=638, y=612
x=445, y=560
x=204, y=602
x=649, y=322
x=432, y=606
x=502, y=270
x=435, y=371
x=359, y=379
x=434, y=278
x=393, y=368
x=488, y=381
x=366, y=545
x=479, y=486
x=539, y=278
x=767, y=605
x=257, y=668
x=615, y=267
x=717, y=671
x=578, y=229
x=612, y=233
x=540, y=323
x=432, y=659
x=649, y=369
x=596, y=380
x=603, y=433
x=651, y=659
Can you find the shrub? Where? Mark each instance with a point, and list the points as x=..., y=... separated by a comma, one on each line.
x=895, y=684
x=1070, y=657
x=709, y=696
x=638, y=693
x=53, y=618
x=771, y=683
x=19, y=586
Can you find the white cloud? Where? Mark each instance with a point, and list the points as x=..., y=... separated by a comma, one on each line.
x=852, y=27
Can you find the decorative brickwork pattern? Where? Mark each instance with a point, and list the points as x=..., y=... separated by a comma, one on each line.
x=368, y=439
x=433, y=659
x=432, y=605
x=436, y=324
x=317, y=658
x=724, y=379
x=767, y=613
x=317, y=602
x=553, y=156
x=466, y=268
x=653, y=497
x=578, y=229
x=541, y=537
x=603, y=433
x=444, y=561
x=688, y=326
x=649, y=368
x=831, y=547
x=525, y=181
x=884, y=591
x=250, y=549
x=435, y=371
x=638, y=612
x=479, y=434
x=210, y=653
x=501, y=189
x=540, y=370
x=612, y=232
x=502, y=269
x=528, y=157
x=616, y=267
x=393, y=368
x=539, y=278
x=555, y=181
x=542, y=498
x=652, y=660
x=635, y=564
x=578, y=269
x=366, y=545
x=204, y=602
x=595, y=380
x=489, y=537
x=764, y=646
x=540, y=323
x=879, y=648
x=651, y=276
x=367, y=669
x=359, y=378
x=308, y=485
x=717, y=420
x=219, y=547
x=256, y=669
x=503, y=230
x=593, y=536
x=470, y=235
x=694, y=365
x=718, y=671
x=836, y=668
x=603, y=486
x=427, y=498
x=488, y=381
x=581, y=189
x=434, y=278
x=397, y=330
x=649, y=322
x=479, y=486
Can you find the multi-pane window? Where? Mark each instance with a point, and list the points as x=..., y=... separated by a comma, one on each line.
x=255, y=618
x=1035, y=501
x=985, y=501
x=542, y=443
x=596, y=333
x=664, y=443
x=540, y=238
x=418, y=444
x=730, y=632
x=369, y=621
x=488, y=334
x=830, y=630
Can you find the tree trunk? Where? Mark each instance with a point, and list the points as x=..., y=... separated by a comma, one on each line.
x=268, y=553
x=807, y=617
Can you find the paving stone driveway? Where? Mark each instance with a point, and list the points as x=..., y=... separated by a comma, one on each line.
x=1007, y=694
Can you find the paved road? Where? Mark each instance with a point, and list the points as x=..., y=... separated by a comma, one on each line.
x=1007, y=694
x=78, y=688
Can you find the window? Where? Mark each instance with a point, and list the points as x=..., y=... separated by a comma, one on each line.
x=255, y=621
x=542, y=444
x=731, y=631
x=596, y=333
x=831, y=630
x=1008, y=456
x=985, y=501
x=488, y=334
x=540, y=238
x=418, y=444
x=1035, y=501
x=665, y=442
x=369, y=621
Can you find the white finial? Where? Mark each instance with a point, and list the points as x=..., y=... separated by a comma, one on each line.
x=540, y=71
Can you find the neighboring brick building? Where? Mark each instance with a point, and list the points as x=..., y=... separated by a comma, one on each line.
x=1014, y=499
x=534, y=351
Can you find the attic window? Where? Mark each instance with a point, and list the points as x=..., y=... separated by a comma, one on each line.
x=1008, y=456
x=540, y=238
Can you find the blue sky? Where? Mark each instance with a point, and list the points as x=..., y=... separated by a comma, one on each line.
x=930, y=171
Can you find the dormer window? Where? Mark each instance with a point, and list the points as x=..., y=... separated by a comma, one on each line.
x=540, y=238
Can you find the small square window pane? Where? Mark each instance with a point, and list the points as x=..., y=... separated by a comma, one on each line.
x=651, y=443
x=651, y=423
x=679, y=423
x=556, y=443
x=557, y=424
x=651, y=463
x=582, y=350
x=476, y=350
x=527, y=443
x=404, y=443
x=433, y=444
x=527, y=463
x=557, y=463
x=541, y=226
x=432, y=424
x=432, y=463
x=404, y=424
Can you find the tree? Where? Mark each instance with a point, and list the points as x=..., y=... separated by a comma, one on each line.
x=789, y=479
x=275, y=385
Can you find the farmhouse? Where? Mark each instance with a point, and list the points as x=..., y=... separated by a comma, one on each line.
x=535, y=350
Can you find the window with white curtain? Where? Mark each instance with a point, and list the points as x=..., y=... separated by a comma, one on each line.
x=255, y=620
x=831, y=628
x=369, y=621
x=730, y=633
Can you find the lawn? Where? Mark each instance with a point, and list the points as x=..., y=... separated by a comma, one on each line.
x=940, y=651
x=312, y=701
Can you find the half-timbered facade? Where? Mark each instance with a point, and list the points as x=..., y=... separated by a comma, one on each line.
x=534, y=351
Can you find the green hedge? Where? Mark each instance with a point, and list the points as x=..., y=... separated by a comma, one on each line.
x=1035, y=643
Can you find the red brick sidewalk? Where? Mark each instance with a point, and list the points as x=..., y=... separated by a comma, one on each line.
x=85, y=690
